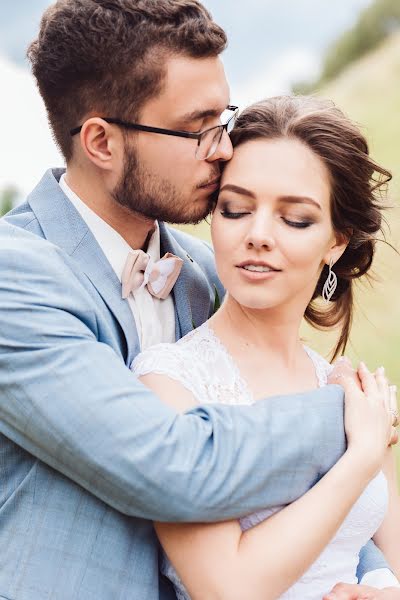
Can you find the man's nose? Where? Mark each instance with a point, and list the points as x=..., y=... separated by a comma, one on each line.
x=224, y=150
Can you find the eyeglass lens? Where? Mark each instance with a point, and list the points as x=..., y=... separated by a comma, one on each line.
x=209, y=143
x=210, y=140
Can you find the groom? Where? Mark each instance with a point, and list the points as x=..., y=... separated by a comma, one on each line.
x=89, y=456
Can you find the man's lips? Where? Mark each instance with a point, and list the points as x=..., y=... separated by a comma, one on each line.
x=213, y=183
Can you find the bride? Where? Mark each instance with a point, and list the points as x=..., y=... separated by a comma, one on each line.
x=295, y=220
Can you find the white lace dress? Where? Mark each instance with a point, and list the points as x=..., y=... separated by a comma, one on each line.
x=201, y=363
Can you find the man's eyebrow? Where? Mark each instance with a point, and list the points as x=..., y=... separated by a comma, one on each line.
x=195, y=115
x=237, y=190
x=300, y=200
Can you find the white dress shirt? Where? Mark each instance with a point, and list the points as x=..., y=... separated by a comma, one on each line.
x=154, y=318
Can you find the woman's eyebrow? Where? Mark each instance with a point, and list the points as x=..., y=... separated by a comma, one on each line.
x=300, y=200
x=237, y=190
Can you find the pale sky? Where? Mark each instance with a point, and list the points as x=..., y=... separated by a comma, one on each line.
x=272, y=44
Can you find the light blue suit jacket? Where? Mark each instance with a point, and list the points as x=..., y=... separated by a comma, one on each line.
x=88, y=456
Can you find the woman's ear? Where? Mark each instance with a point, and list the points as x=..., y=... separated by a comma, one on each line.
x=340, y=243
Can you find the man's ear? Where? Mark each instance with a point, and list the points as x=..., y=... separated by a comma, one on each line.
x=101, y=142
x=340, y=243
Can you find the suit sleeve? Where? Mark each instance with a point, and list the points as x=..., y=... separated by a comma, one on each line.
x=68, y=399
x=372, y=559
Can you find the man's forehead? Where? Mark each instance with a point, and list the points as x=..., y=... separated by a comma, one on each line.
x=193, y=88
x=196, y=86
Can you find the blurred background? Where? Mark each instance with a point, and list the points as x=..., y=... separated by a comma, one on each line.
x=347, y=50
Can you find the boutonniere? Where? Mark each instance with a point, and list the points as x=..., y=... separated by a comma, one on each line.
x=216, y=305
x=217, y=301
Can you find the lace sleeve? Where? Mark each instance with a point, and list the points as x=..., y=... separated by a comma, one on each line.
x=165, y=359
x=322, y=367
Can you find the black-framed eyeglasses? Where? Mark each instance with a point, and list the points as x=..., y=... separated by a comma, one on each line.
x=207, y=140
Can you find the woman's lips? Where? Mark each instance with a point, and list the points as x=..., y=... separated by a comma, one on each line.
x=260, y=271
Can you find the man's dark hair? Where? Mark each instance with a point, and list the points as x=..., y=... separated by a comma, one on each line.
x=107, y=57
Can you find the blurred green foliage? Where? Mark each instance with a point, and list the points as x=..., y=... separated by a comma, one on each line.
x=8, y=196
x=377, y=22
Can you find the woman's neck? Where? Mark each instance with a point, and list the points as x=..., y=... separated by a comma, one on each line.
x=272, y=333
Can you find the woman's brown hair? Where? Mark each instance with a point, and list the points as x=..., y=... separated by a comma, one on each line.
x=356, y=183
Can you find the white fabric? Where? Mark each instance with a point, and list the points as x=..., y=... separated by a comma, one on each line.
x=380, y=578
x=201, y=363
x=154, y=318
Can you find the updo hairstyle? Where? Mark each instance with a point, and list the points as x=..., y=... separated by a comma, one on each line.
x=356, y=183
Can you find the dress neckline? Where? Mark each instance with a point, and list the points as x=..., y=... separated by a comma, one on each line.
x=319, y=363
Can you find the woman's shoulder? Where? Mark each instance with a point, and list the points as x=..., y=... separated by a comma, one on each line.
x=189, y=362
x=165, y=358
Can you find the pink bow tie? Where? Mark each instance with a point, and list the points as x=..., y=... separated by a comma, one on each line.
x=159, y=276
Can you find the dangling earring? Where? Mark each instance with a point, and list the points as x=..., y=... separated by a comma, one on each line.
x=330, y=284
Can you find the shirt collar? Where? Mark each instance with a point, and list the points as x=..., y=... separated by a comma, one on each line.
x=115, y=248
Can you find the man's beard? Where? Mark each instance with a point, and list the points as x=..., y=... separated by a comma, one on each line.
x=156, y=198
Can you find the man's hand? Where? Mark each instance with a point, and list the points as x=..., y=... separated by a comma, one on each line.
x=343, y=368
x=346, y=591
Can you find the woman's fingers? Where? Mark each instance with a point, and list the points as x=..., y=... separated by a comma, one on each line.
x=368, y=382
x=393, y=407
x=383, y=387
x=393, y=398
x=394, y=438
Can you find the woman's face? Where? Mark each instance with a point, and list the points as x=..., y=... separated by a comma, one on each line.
x=271, y=228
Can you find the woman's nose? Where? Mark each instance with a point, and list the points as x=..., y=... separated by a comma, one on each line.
x=261, y=235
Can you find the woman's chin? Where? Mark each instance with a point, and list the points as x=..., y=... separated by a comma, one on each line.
x=254, y=301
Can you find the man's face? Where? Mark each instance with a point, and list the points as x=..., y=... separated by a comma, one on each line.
x=162, y=179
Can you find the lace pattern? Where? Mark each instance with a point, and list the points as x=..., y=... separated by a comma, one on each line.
x=202, y=364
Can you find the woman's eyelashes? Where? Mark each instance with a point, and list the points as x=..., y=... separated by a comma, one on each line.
x=227, y=214
x=299, y=223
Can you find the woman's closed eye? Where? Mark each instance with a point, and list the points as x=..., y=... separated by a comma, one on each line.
x=227, y=214
x=298, y=222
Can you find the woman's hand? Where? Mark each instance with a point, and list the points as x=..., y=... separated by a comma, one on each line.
x=368, y=420
x=344, y=591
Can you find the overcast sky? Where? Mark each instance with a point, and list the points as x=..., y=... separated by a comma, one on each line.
x=271, y=44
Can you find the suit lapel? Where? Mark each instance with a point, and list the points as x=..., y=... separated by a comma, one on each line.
x=193, y=295
x=63, y=226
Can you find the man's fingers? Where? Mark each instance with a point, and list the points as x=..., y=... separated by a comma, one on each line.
x=342, y=368
x=350, y=386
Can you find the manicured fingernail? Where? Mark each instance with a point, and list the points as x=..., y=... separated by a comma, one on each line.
x=393, y=389
x=363, y=366
x=380, y=371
